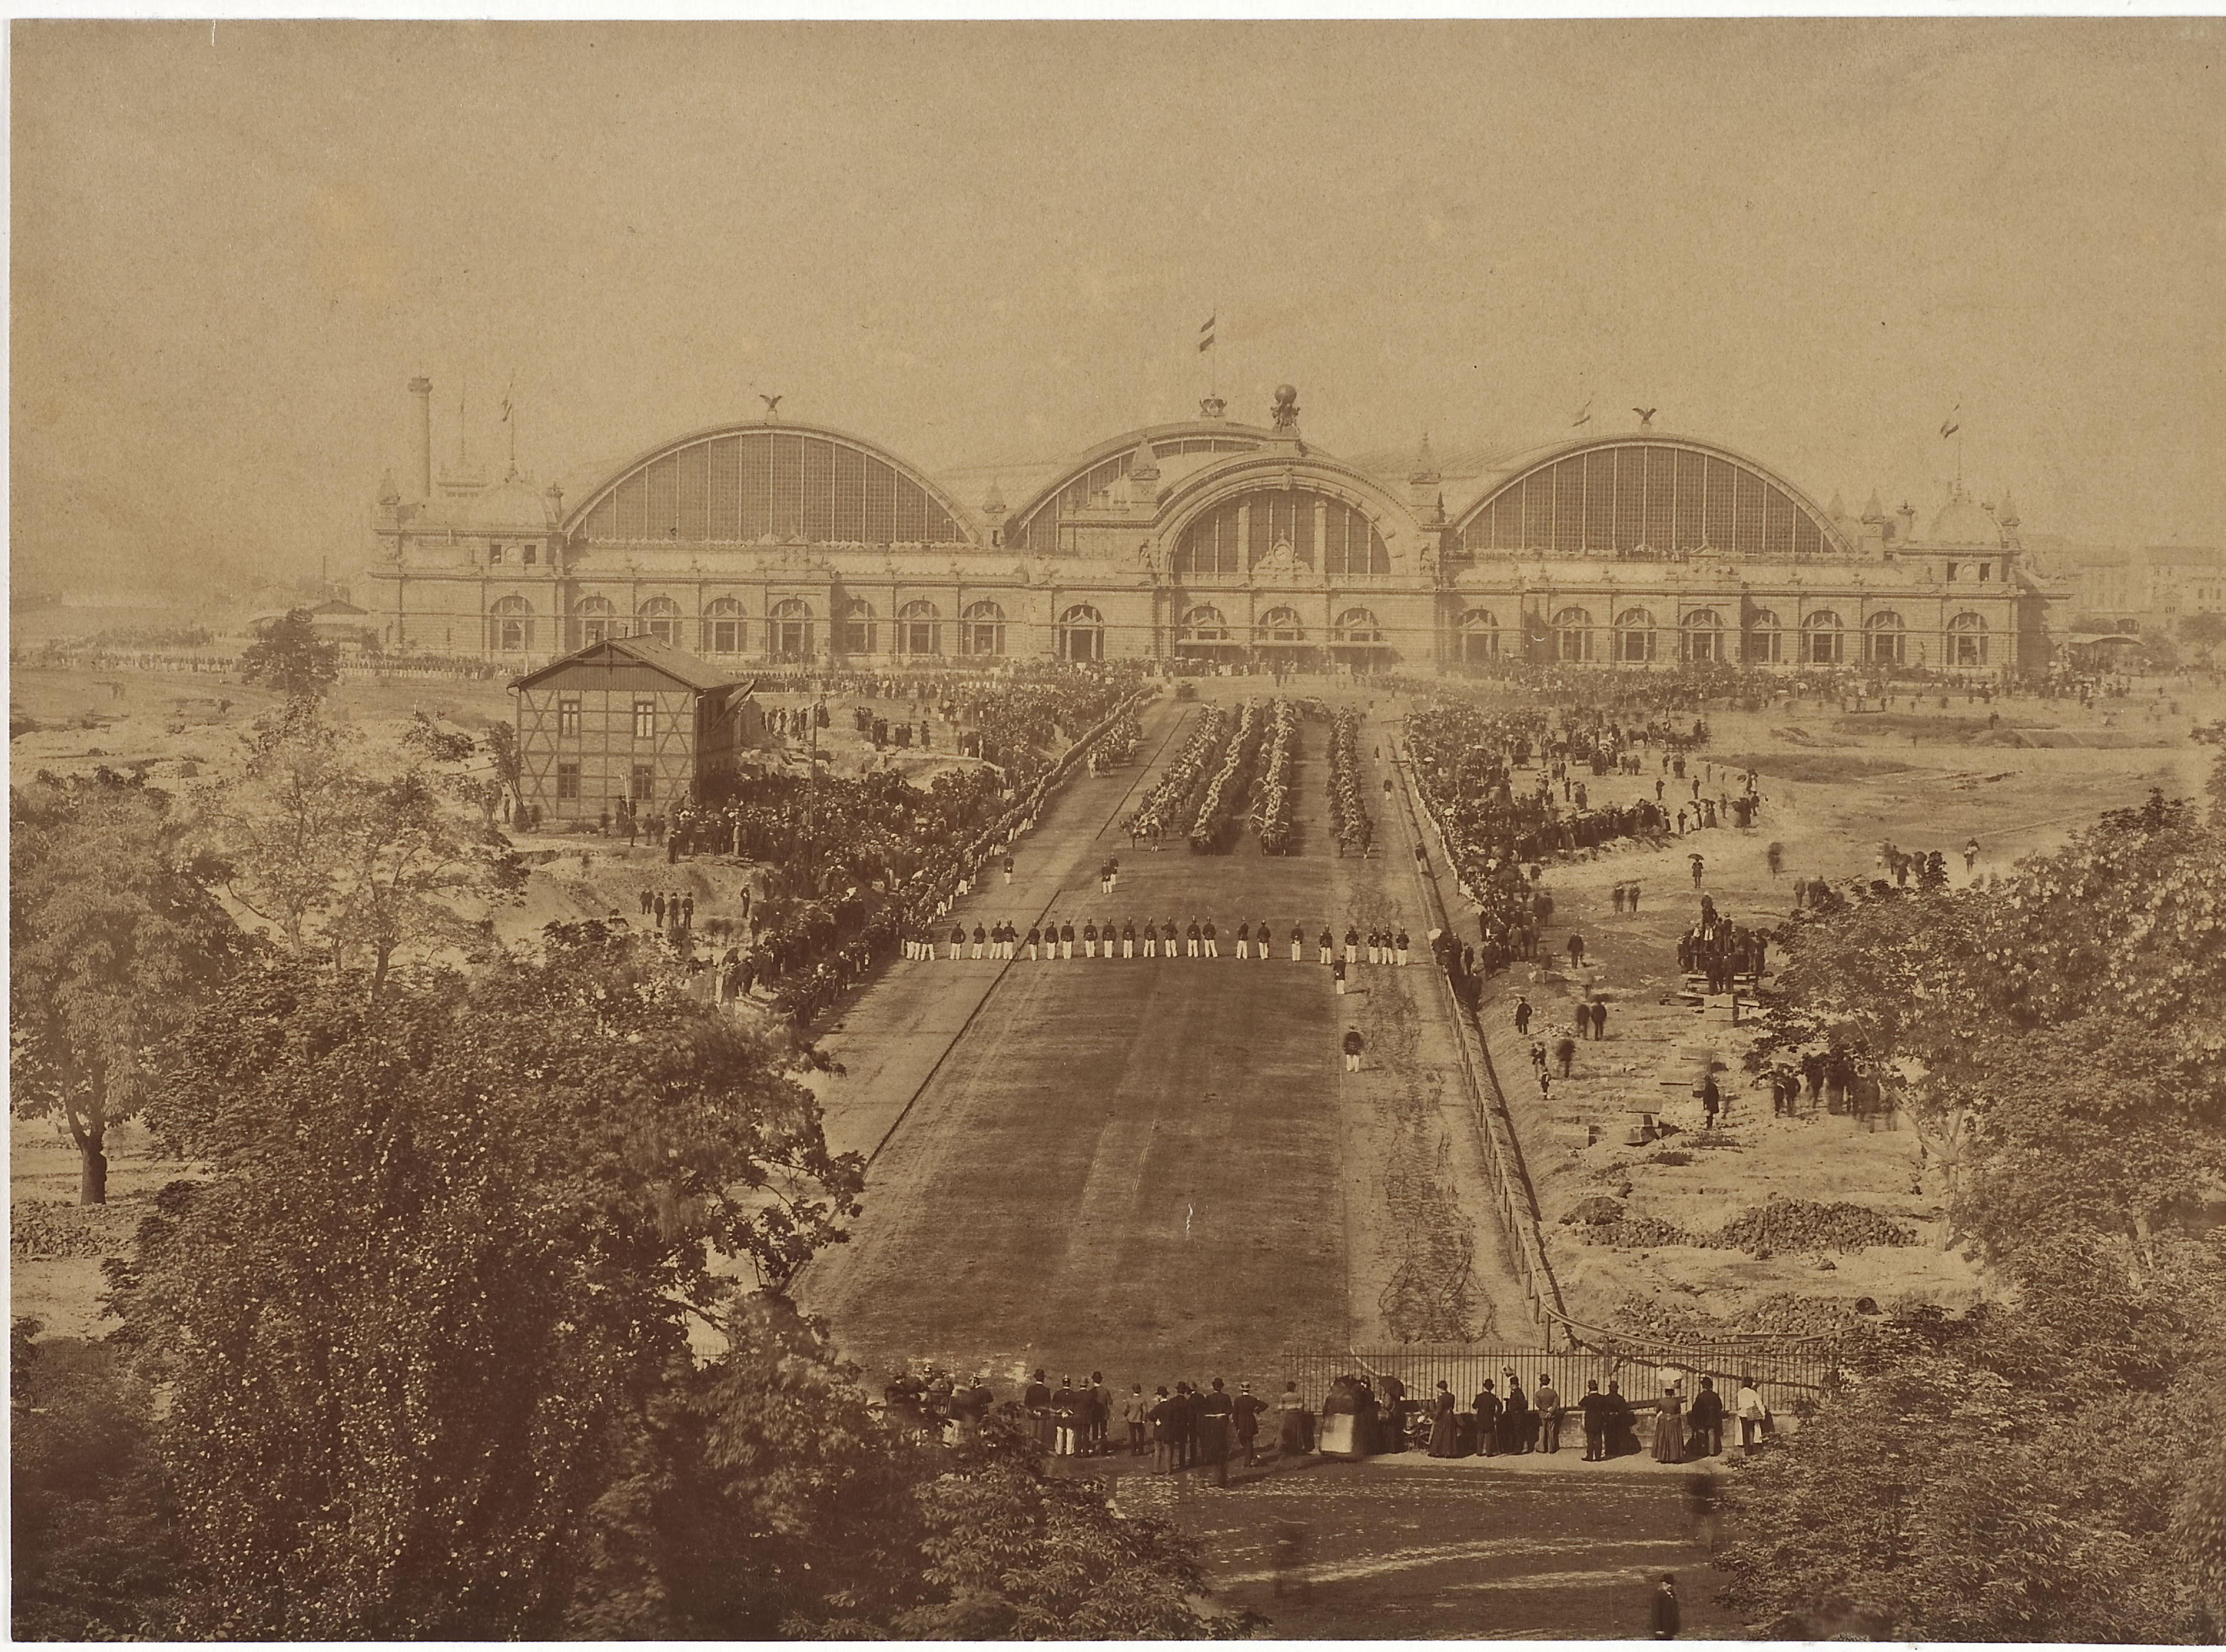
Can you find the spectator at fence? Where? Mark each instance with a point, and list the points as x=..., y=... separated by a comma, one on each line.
x=1669, y=1427
x=1546, y=1405
x=1706, y=1419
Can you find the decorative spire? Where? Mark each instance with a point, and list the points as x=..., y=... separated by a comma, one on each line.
x=993, y=504
x=1874, y=512
x=1426, y=464
x=1144, y=467
x=2009, y=509
x=1837, y=508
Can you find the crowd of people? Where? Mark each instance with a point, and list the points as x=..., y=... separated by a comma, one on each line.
x=1181, y=1425
x=1350, y=822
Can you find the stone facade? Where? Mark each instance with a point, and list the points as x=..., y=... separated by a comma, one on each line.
x=1203, y=540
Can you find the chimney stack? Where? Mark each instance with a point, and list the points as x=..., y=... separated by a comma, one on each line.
x=422, y=388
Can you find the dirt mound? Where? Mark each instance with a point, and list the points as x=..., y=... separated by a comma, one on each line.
x=1785, y=1313
x=1782, y=1224
x=41, y=1230
x=1805, y=1224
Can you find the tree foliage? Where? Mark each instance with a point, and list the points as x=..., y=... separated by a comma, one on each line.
x=450, y=1249
x=95, y=1549
x=113, y=939
x=2060, y=1038
x=359, y=855
x=2044, y=1467
x=2013, y=1474
x=290, y=657
x=425, y=1330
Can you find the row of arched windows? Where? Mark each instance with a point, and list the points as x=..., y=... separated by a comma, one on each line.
x=1701, y=637
x=1280, y=627
x=918, y=627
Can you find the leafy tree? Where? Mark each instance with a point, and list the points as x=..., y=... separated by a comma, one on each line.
x=772, y=1500
x=113, y=939
x=2009, y=1475
x=290, y=658
x=445, y=1261
x=428, y=740
x=282, y=825
x=96, y=1552
x=353, y=859
x=2204, y=630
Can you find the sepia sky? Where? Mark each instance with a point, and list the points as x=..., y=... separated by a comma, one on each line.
x=993, y=245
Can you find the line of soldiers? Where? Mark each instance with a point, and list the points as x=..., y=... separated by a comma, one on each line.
x=1054, y=939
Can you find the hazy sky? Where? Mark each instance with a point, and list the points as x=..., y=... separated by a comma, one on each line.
x=995, y=242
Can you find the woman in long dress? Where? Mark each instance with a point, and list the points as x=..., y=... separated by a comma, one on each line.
x=1670, y=1427
x=1514, y=1422
x=1444, y=1441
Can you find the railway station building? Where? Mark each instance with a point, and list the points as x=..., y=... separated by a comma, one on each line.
x=1206, y=540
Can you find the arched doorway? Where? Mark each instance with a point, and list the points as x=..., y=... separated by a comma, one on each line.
x=788, y=628
x=1082, y=634
x=1278, y=641
x=1479, y=637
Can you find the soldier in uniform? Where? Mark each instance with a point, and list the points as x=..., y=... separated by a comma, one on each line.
x=1298, y=943
x=1353, y=944
x=1325, y=945
x=1211, y=949
x=1168, y=938
x=981, y=935
x=1089, y=939
x=1244, y=940
x=1262, y=932
x=1151, y=938
x=1190, y=938
x=1066, y=940
x=957, y=939
x=1036, y=934
x=1400, y=941
x=1127, y=938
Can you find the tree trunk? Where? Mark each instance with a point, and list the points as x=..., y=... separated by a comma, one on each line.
x=92, y=1167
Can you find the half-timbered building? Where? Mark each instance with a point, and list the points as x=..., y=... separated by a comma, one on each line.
x=628, y=723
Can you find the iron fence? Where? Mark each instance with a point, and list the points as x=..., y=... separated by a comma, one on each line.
x=1789, y=1377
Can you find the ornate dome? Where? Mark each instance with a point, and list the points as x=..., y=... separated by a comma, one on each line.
x=512, y=503
x=1961, y=522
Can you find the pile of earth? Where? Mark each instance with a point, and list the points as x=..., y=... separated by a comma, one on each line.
x=41, y=1230
x=1785, y=1313
x=1782, y=1224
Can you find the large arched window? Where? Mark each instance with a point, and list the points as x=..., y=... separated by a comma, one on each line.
x=1359, y=625
x=511, y=625
x=1321, y=532
x=857, y=627
x=1704, y=637
x=659, y=617
x=1279, y=627
x=789, y=628
x=1573, y=634
x=1081, y=633
x=920, y=627
x=759, y=485
x=1625, y=496
x=1820, y=639
x=1884, y=639
x=982, y=630
x=1765, y=639
x=1967, y=639
x=1634, y=637
x=597, y=617
x=722, y=626
x=1480, y=636
x=1203, y=625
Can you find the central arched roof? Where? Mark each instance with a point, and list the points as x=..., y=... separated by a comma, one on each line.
x=1613, y=495
x=1035, y=526
x=744, y=483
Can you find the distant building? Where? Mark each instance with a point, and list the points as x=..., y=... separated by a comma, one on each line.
x=629, y=722
x=1204, y=540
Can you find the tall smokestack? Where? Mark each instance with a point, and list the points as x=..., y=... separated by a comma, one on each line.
x=422, y=388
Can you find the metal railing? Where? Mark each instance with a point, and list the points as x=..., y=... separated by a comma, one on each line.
x=1787, y=1377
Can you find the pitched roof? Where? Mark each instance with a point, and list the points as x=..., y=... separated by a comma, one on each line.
x=677, y=664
